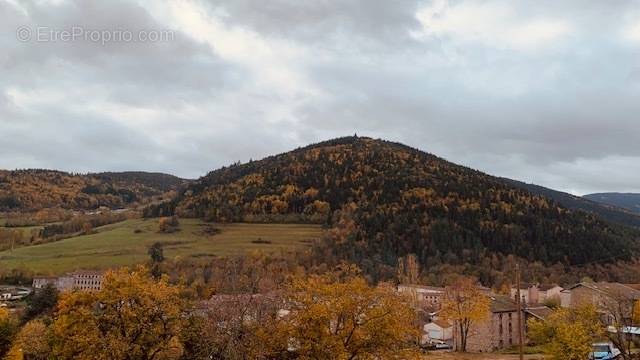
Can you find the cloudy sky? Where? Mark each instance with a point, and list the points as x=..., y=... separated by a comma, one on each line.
x=541, y=91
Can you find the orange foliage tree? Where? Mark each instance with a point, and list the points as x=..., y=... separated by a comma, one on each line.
x=346, y=318
x=465, y=305
x=132, y=317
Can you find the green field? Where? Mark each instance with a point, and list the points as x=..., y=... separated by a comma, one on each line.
x=126, y=243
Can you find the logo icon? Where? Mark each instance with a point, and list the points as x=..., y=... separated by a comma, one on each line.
x=23, y=33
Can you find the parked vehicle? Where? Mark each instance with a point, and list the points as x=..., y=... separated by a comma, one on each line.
x=604, y=351
x=437, y=345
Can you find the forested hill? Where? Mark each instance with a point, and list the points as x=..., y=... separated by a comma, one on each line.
x=384, y=200
x=607, y=208
x=628, y=201
x=35, y=189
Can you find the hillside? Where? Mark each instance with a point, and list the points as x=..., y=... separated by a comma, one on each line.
x=126, y=243
x=384, y=200
x=32, y=190
x=608, y=209
x=627, y=201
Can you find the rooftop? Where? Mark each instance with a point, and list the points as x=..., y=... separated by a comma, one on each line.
x=611, y=289
x=502, y=303
x=541, y=312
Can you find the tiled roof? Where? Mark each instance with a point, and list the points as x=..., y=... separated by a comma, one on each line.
x=541, y=312
x=545, y=287
x=423, y=287
x=612, y=289
x=502, y=303
x=443, y=324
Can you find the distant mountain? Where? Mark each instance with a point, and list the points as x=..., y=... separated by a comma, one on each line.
x=35, y=189
x=608, y=209
x=628, y=201
x=383, y=200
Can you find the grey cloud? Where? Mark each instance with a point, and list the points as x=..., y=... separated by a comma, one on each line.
x=563, y=115
x=352, y=23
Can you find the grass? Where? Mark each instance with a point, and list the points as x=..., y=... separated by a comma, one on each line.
x=126, y=243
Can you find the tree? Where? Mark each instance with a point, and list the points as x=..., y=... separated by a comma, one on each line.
x=132, y=317
x=168, y=224
x=32, y=342
x=234, y=326
x=156, y=252
x=87, y=228
x=408, y=270
x=8, y=327
x=42, y=301
x=567, y=334
x=621, y=312
x=465, y=305
x=334, y=318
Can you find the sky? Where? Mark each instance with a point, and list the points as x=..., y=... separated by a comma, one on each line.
x=546, y=92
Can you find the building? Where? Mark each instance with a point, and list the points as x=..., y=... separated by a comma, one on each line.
x=439, y=330
x=610, y=299
x=548, y=292
x=597, y=293
x=499, y=330
x=537, y=293
x=427, y=296
x=79, y=280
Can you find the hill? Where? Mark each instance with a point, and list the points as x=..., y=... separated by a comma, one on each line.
x=608, y=209
x=627, y=201
x=385, y=200
x=34, y=189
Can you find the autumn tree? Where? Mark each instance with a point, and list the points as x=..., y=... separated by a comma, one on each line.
x=408, y=269
x=32, y=342
x=168, y=224
x=465, y=305
x=234, y=327
x=8, y=327
x=132, y=317
x=567, y=334
x=334, y=318
x=622, y=312
x=156, y=255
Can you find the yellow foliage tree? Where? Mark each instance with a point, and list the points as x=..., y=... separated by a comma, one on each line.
x=32, y=342
x=465, y=305
x=567, y=334
x=132, y=317
x=348, y=319
x=8, y=327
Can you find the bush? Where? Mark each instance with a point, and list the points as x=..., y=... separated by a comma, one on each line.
x=168, y=224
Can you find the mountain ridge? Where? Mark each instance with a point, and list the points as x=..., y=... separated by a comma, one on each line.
x=612, y=213
x=29, y=190
x=629, y=201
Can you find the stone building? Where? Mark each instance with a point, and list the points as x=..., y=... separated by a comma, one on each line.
x=537, y=293
x=79, y=280
x=499, y=330
x=610, y=299
x=427, y=296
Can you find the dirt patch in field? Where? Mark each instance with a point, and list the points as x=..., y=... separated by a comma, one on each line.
x=208, y=230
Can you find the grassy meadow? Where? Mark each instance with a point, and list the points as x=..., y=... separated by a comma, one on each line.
x=126, y=243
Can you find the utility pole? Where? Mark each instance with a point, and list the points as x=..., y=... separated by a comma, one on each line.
x=519, y=302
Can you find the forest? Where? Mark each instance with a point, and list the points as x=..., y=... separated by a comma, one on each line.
x=35, y=189
x=383, y=201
